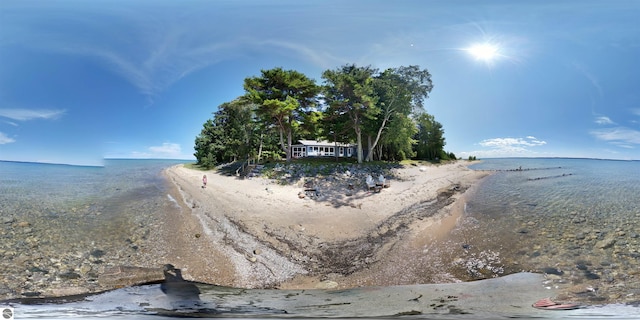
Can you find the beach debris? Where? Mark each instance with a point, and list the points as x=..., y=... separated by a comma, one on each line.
x=548, y=304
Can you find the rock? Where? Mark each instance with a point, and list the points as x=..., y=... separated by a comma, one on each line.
x=38, y=269
x=69, y=275
x=68, y=291
x=7, y=220
x=23, y=224
x=251, y=257
x=97, y=253
x=550, y=270
x=123, y=276
x=606, y=243
x=327, y=284
x=582, y=266
x=85, y=268
x=30, y=294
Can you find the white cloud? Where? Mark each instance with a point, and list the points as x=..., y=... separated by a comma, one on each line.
x=604, y=120
x=4, y=139
x=508, y=147
x=515, y=143
x=620, y=136
x=30, y=114
x=168, y=149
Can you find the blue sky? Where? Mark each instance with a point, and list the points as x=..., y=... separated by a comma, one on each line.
x=84, y=80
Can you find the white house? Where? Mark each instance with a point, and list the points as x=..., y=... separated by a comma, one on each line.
x=313, y=148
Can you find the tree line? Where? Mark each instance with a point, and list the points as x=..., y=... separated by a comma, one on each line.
x=381, y=112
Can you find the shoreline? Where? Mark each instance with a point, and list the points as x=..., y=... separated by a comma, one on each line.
x=254, y=233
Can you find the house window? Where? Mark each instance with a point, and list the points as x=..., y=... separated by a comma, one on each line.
x=348, y=152
x=341, y=152
x=299, y=152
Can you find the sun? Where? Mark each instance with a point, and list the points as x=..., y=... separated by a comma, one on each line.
x=486, y=52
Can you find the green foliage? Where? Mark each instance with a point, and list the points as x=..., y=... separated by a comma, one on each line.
x=349, y=94
x=430, y=138
x=472, y=158
x=282, y=97
x=382, y=111
x=231, y=135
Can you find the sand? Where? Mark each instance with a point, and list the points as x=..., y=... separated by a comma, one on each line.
x=254, y=233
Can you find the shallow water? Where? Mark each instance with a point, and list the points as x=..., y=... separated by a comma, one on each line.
x=576, y=219
x=63, y=224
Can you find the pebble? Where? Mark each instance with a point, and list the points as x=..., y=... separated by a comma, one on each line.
x=7, y=220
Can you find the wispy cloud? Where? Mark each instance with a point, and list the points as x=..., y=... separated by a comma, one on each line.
x=508, y=147
x=603, y=120
x=615, y=134
x=169, y=149
x=620, y=136
x=30, y=114
x=166, y=150
x=591, y=77
x=4, y=139
x=529, y=141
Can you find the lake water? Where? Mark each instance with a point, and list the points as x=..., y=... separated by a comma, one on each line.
x=73, y=221
x=577, y=220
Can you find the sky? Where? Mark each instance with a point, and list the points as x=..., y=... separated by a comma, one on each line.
x=81, y=81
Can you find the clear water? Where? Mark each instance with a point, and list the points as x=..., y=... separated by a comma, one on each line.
x=580, y=217
x=52, y=217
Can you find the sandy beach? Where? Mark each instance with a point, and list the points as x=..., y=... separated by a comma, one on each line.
x=255, y=233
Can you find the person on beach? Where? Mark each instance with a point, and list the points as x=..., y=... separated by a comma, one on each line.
x=204, y=181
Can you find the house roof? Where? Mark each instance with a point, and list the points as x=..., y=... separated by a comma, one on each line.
x=323, y=143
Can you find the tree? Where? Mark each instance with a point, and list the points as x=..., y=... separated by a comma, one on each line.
x=229, y=136
x=430, y=138
x=399, y=143
x=348, y=92
x=400, y=91
x=210, y=144
x=282, y=97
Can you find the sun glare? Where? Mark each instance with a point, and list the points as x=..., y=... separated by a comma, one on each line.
x=484, y=51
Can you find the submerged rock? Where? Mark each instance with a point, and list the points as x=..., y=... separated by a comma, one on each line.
x=606, y=243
